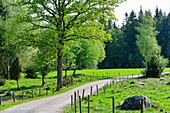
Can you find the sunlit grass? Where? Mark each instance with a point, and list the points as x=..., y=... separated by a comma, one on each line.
x=157, y=91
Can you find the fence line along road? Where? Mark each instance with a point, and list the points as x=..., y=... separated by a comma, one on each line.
x=55, y=104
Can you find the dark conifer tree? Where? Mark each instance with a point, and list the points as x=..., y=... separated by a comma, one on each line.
x=16, y=69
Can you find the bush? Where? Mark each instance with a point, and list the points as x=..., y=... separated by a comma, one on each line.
x=2, y=81
x=67, y=80
x=156, y=66
x=31, y=72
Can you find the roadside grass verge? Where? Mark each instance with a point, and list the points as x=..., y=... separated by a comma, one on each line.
x=157, y=91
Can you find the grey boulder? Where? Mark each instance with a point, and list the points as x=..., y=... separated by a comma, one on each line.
x=162, y=78
x=168, y=83
x=134, y=103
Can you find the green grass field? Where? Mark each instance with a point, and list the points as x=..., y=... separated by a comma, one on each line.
x=34, y=84
x=157, y=91
x=51, y=78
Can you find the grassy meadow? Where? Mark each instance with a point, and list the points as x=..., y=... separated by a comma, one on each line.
x=157, y=91
x=51, y=78
x=27, y=85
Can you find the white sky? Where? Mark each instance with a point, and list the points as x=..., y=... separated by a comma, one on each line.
x=130, y=5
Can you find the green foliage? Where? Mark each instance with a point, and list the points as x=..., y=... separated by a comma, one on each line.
x=3, y=72
x=64, y=24
x=2, y=81
x=156, y=66
x=16, y=68
x=83, y=54
x=67, y=80
x=146, y=40
x=153, y=68
x=30, y=72
x=148, y=46
x=115, y=50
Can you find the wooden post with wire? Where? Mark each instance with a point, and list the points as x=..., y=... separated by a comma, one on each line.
x=80, y=104
x=113, y=104
x=75, y=101
x=88, y=103
x=97, y=90
x=71, y=101
x=83, y=94
x=142, y=105
x=91, y=90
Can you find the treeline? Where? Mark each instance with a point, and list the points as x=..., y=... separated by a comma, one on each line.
x=123, y=52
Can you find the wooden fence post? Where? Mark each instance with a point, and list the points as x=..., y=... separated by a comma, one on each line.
x=53, y=91
x=77, y=95
x=39, y=92
x=13, y=96
x=142, y=105
x=75, y=100
x=113, y=82
x=97, y=90
x=113, y=104
x=104, y=89
x=88, y=103
x=110, y=84
x=80, y=103
x=0, y=100
x=91, y=90
x=86, y=79
x=83, y=94
x=22, y=95
x=32, y=93
x=132, y=75
x=46, y=91
x=71, y=101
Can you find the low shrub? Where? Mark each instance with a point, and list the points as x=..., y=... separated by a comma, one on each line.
x=31, y=72
x=2, y=81
x=67, y=80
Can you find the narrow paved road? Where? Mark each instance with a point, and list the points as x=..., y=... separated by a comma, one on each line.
x=55, y=104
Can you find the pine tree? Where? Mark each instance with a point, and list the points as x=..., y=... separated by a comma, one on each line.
x=3, y=72
x=16, y=69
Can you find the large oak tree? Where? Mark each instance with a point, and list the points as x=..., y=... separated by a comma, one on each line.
x=66, y=20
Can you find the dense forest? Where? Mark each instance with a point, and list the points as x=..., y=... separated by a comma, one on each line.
x=122, y=51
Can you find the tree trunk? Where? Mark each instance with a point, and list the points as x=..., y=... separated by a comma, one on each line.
x=18, y=86
x=59, y=70
x=65, y=72
x=74, y=71
x=43, y=82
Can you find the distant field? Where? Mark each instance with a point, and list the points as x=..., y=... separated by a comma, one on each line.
x=101, y=72
x=51, y=78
